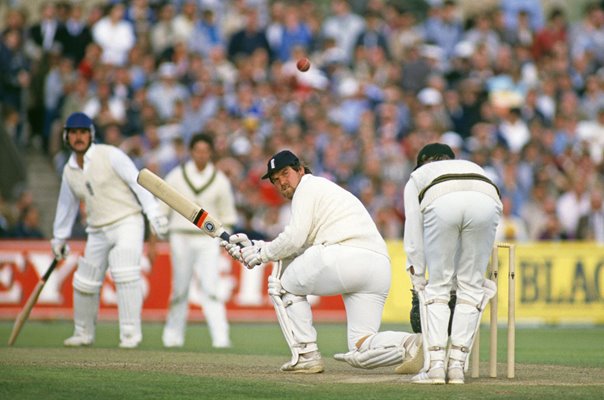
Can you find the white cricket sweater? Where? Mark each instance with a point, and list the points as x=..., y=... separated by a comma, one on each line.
x=324, y=213
x=107, y=185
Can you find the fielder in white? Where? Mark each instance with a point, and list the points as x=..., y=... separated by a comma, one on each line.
x=104, y=178
x=452, y=211
x=192, y=251
x=330, y=246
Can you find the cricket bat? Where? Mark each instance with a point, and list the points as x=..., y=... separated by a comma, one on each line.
x=31, y=302
x=185, y=207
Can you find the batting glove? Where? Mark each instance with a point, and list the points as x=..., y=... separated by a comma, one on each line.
x=60, y=248
x=235, y=244
x=159, y=225
x=274, y=286
x=253, y=255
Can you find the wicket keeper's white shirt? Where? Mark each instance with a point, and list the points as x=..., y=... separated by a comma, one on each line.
x=421, y=179
x=324, y=213
x=107, y=185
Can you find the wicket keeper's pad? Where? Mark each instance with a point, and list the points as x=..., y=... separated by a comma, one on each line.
x=490, y=290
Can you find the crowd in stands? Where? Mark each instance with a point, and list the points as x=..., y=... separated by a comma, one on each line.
x=513, y=88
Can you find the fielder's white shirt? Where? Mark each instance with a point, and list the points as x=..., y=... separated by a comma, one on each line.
x=324, y=213
x=107, y=185
x=418, y=181
x=216, y=197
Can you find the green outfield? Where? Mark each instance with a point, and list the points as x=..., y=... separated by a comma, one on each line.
x=552, y=363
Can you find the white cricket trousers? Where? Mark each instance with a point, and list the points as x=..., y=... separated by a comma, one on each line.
x=361, y=276
x=118, y=246
x=459, y=233
x=195, y=255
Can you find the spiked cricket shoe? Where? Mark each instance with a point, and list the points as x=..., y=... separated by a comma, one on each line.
x=309, y=363
x=78, y=341
x=434, y=376
x=455, y=373
x=414, y=359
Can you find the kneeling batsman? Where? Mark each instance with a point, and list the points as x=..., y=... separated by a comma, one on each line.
x=381, y=349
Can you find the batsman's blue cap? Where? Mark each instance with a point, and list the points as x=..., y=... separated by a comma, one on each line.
x=279, y=161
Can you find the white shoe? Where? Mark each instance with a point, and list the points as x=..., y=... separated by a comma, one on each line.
x=172, y=340
x=173, y=343
x=455, y=373
x=223, y=344
x=414, y=357
x=434, y=376
x=129, y=343
x=308, y=363
x=78, y=341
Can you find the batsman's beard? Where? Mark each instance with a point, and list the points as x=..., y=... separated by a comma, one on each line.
x=287, y=191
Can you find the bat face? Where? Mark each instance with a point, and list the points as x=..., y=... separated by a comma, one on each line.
x=185, y=207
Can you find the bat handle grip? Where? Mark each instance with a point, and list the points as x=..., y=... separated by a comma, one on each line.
x=225, y=236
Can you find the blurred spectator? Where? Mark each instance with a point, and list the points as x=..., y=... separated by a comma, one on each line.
x=105, y=108
x=141, y=15
x=372, y=36
x=59, y=82
x=554, y=32
x=482, y=32
x=591, y=132
x=28, y=225
x=344, y=26
x=511, y=228
x=45, y=34
x=532, y=8
x=114, y=35
x=76, y=34
x=571, y=205
x=205, y=34
x=443, y=27
x=15, y=78
x=512, y=130
x=591, y=224
x=245, y=41
x=15, y=18
x=587, y=35
x=404, y=35
x=164, y=33
x=294, y=32
x=534, y=211
x=163, y=93
x=5, y=218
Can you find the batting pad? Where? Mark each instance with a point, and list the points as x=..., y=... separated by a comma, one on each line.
x=382, y=349
x=130, y=304
x=85, y=310
x=88, y=278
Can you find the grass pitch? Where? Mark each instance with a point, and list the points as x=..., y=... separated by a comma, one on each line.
x=552, y=363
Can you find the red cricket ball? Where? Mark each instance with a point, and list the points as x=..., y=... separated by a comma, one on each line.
x=303, y=64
